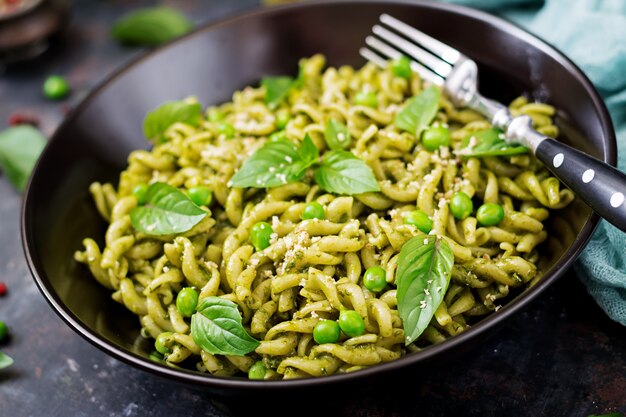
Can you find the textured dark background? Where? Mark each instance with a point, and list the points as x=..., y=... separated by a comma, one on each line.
x=561, y=357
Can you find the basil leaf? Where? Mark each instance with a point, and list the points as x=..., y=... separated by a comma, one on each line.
x=308, y=153
x=150, y=26
x=276, y=163
x=276, y=89
x=5, y=360
x=158, y=120
x=422, y=278
x=419, y=111
x=343, y=173
x=337, y=135
x=167, y=210
x=217, y=328
x=20, y=148
x=488, y=142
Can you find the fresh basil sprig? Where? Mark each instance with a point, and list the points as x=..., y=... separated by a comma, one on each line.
x=5, y=360
x=158, y=120
x=422, y=279
x=277, y=88
x=280, y=162
x=488, y=142
x=151, y=26
x=337, y=135
x=167, y=210
x=217, y=328
x=343, y=173
x=20, y=148
x=276, y=163
x=419, y=111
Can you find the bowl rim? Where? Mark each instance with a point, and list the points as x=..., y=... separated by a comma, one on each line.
x=227, y=383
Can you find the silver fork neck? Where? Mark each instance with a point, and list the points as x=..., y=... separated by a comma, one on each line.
x=517, y=129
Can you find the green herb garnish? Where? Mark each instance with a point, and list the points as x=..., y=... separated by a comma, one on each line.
x=151, y=26
x=422, y=278
x=158, y=120
x=167, y=210
x=217, y=328
x=276, y=163
x=280, y=162
x=337, y=135
x=343, y=173
x=277, y=88
x=488, y=142
x=419, y=111
x=20, y=148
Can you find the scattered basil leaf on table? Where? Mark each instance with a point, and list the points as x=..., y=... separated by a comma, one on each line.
x=337, y=135
x=158, y=120
x=276, y=163
x=343, y=173
x=616, y=414
x=217, y=328
x=151, y=26
x=419, y=111
x=488, y=142
x=5, y=360
x=20, y=148
x=167, y=210
x=422, y=278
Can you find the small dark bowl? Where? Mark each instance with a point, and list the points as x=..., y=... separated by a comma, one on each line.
x=94, y=141
x=27, y=32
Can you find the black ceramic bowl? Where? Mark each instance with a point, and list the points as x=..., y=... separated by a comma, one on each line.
x=94, y=141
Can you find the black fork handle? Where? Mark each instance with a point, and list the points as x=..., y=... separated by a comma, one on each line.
x=600, y=185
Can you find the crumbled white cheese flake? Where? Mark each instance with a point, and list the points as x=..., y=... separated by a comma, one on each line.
x=423, y=304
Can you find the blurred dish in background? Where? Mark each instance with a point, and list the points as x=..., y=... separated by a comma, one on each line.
x=27, y=27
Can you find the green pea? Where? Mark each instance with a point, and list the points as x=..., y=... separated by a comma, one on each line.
x=375, y=279
x=490, y=214
x=257, y=371
x=4, y=330
x=200, y=195
x=401, y=67
x=215, y=115
x=351, y=323
x=55, y=87
x=159, y=343
x=260, y=235
x=326, y=331
x=419, y=219
x=313, y=210
x=366, y=98
x=276, y=136
x=461, y=205
x=187, y=301
x=226, y=129
x=435, y=137
x=139, y=191
x=282, y=118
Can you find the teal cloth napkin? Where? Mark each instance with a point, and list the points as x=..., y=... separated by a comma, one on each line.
x=593, y=34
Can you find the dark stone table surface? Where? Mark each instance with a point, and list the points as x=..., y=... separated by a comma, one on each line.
x=561, y=357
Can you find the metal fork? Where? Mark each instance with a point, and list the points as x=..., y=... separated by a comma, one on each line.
x=598, y=184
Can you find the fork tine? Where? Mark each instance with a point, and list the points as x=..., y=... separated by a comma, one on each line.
x=446, y=52
x=393, y=53
x=436, y=64
x=373, y=57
